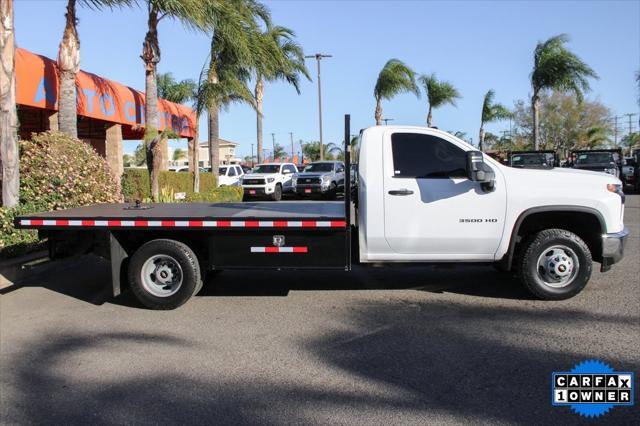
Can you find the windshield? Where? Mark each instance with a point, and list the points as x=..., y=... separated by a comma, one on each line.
x=532, y=160
x=319, y=167
x=594, y=157
x=222, y=171
x=267, y=168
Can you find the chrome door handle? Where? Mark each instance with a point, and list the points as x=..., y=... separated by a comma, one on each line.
x=400, y=192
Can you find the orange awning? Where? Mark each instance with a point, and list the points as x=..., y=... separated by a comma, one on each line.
x=99, y=98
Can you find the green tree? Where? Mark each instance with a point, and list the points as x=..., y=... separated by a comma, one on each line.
x=556, y=67
x=283, y=59
x=490, y=112
x=69, y=63
x=193, y=14
x=597, y=137
x=278, y=152
x=179, y=154
x=439, y=93
x=140, y=156
x=233, y=53
x=564, y=121
x=179, y=92
x=631, y=141
x=394, y=78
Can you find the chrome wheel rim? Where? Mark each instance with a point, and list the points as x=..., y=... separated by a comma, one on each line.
x=161, y=275
x=558, y=266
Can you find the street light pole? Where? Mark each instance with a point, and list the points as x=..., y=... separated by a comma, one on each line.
x=318, y=57
x=252, y=156
x=291, y=135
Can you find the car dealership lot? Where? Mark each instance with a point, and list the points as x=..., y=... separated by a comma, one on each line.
x=398, y=345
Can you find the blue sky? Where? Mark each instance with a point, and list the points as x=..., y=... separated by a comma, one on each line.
x=475, y=45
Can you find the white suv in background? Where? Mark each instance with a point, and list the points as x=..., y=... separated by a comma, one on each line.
x=230, y=175
x=270, y=180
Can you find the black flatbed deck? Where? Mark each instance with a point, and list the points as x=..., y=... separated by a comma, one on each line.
x=251, y=214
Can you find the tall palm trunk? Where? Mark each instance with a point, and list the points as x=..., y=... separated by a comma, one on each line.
x=430, y=116
x=259, y=93
x=213, y=110
x=151, y=57
x=535, y=109
x=481, y=138
x=195, y=157
x=378, y=113
x=214, y=137
x=8, y=115
x=68, y=66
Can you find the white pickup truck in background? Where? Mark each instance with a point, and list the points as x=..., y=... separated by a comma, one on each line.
x=423, y=195
x=270, y=180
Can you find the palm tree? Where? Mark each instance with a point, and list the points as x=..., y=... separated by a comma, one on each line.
x=179, y=154
x=556, y=67
x=439, y=93
x=394, y=78
x=597, y=136
x=278, y=152
x=179, y=92
x=233, y=55
x=284, y=61
x=491, y=112
x=193, y=14
x=69, y=64
x=9, y=176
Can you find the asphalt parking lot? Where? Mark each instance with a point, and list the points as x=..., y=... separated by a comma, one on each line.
x=409, y=345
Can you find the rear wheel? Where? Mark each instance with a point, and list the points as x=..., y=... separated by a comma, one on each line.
x=164, y=274
x=555, y=264
x=277, y=193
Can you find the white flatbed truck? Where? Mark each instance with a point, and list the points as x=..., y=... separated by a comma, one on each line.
x=423, y=195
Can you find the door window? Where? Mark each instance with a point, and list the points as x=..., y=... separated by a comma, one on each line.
x=232, y=171
x=426, y=156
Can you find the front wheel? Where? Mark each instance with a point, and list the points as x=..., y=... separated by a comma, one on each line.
x=555, y=265
x=277, y=193
x=164, y=274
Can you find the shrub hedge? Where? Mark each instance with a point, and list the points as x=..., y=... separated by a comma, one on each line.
x=135, y=183
x=56, y=172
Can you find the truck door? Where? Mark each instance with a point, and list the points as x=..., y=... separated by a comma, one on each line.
x=430, y=207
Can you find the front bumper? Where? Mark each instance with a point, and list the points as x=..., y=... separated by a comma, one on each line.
x=613, y=248
x=258, y=191
x=311, y=189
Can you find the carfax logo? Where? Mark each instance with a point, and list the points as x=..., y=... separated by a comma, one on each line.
x=592, y=388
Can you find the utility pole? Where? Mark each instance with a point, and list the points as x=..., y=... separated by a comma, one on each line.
x=615, y=131
x=252, y=156
x=301, y=151
x=630, y=123
x=273, y=139
x=318, y=57
x=291, y=136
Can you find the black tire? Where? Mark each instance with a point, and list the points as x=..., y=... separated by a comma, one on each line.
x=543, y=243
x=191, y=277
x=332, y=192
x=277, y=193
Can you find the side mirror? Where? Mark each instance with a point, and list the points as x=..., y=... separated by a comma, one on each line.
x=478, y=171
x=286, y=172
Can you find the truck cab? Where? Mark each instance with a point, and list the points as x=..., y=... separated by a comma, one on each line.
x=426, y=196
